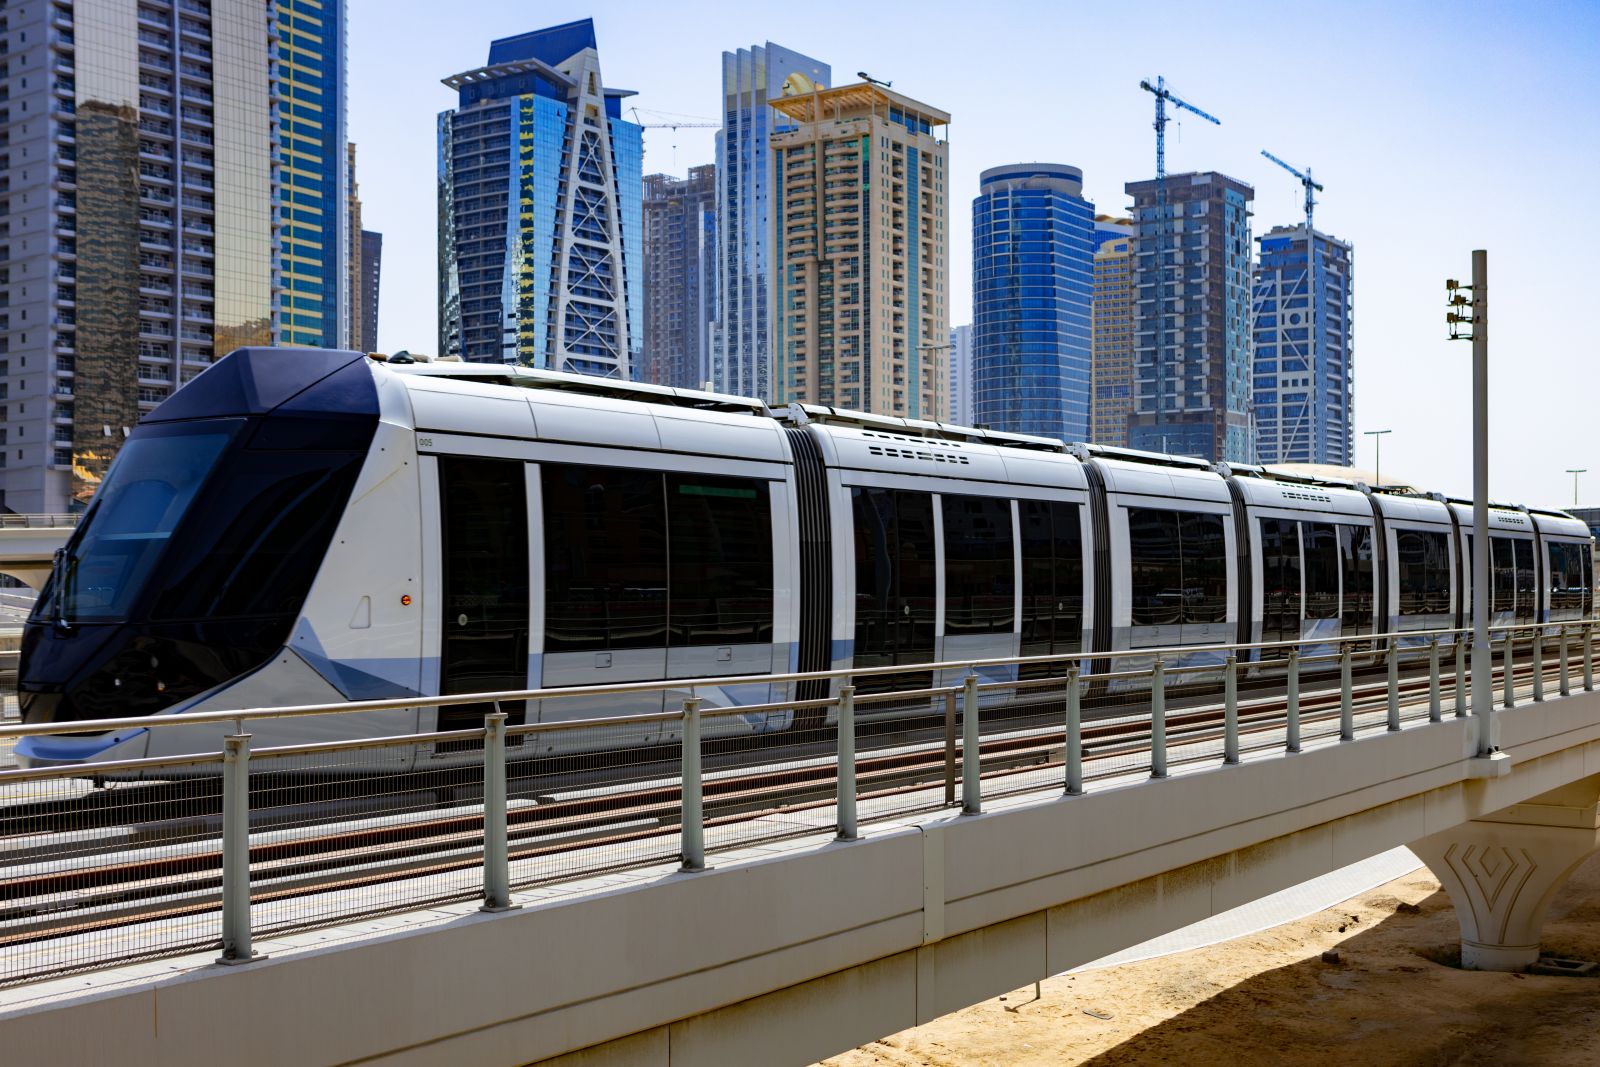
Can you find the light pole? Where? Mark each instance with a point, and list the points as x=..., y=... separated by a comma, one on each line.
x=1468, y=320
x=1575, y=471
x=940, y=381
x=1377, y=441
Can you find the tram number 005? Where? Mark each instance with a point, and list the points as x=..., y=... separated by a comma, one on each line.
x=424, y=442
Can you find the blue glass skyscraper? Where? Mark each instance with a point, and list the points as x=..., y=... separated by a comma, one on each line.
x=1303, y=389
x=541, y=227
x=1032, y=295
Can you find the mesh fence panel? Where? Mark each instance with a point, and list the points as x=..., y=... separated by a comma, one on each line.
x=120, y=870
x=364, y=830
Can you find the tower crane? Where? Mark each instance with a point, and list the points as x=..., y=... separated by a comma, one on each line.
x=675, y=122
x=1313, y=292
x=1163, y=95
x=1305, y=180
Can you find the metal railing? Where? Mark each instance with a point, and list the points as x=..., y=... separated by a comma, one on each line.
x=160, y=855
x=10, y=521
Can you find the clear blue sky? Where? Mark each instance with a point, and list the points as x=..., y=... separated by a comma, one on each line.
x=1437, y=128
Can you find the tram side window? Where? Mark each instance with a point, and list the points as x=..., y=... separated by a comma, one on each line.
x=605, y=558
x=895, y=589
x=1527, y=580
x=719, y=560
x=1423, y=559
x=1569, y=583
x=1179, y=567
x=1355, y=552
x=1205, y=568
x=1503, y=566
x=1155, y=556
x=1052, y=577
x=1280, y=579
x=980, y=581
x=1321, y=542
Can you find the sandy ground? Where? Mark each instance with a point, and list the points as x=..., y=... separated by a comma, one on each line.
x=1395, y=997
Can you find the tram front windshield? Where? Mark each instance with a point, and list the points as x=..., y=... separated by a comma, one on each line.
x=148, y=490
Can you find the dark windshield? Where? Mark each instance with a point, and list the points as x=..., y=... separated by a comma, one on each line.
x=146, y=493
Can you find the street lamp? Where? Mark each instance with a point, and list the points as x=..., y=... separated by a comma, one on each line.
x=1467, y=318
x=1575, y=471
x=1377, y=441
x=939, y=380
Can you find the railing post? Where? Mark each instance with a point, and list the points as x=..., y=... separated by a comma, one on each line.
x=1291, y=720
x=496, y=851
x=971, y=749
x=1462, y=710
x=1347, y=704
x=693, y=817
x=1230, y=710
x=1435, y=711
x=950, y=748
x=1508, y=677
x=1158, y=721
x=1588, y=657
x=1566, y=671
x=1394, y=684
x=236, y=850
x=1074, y=756
x=1538, y=662
x=847, y=763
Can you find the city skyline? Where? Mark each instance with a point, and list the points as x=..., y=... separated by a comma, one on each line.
x=1384, y=131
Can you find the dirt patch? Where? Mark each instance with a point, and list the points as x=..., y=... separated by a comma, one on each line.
x=1396, y=996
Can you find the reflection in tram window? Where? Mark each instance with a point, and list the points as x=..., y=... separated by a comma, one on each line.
x=1503, y=569
x=1423, y=559
x=1052, y=578
x=605, y=558
x=1355, y=552
x=1280, y=580
x=1569, y=582
x=1527, y=581
x=1321, y=542
x=1178, y=566
x=895, y=586
x=719, y=561
x=980, y=578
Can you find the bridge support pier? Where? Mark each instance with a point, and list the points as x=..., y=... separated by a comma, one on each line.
x=1503, y=869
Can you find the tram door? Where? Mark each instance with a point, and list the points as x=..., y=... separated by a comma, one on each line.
x=483, y=509
x=895, y=585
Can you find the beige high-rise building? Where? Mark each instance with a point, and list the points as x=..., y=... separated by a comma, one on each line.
x=1112, y=399
x=860, y=236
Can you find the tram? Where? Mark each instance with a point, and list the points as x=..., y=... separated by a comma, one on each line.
x=317, y=526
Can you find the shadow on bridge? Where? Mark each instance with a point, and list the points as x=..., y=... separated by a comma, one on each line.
x=1396, y=996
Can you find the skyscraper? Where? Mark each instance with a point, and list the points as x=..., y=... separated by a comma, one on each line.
x=680, y=277
x=312, y=170
x=146, y=146
x=961, y=375
x=540, y=222
x=860, y=234
x=1304, y=388
x=371, y=274
x=1192, y=358
x=1032, y=296
x=741, y=350
x=1112, y=400
x=354, y=266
